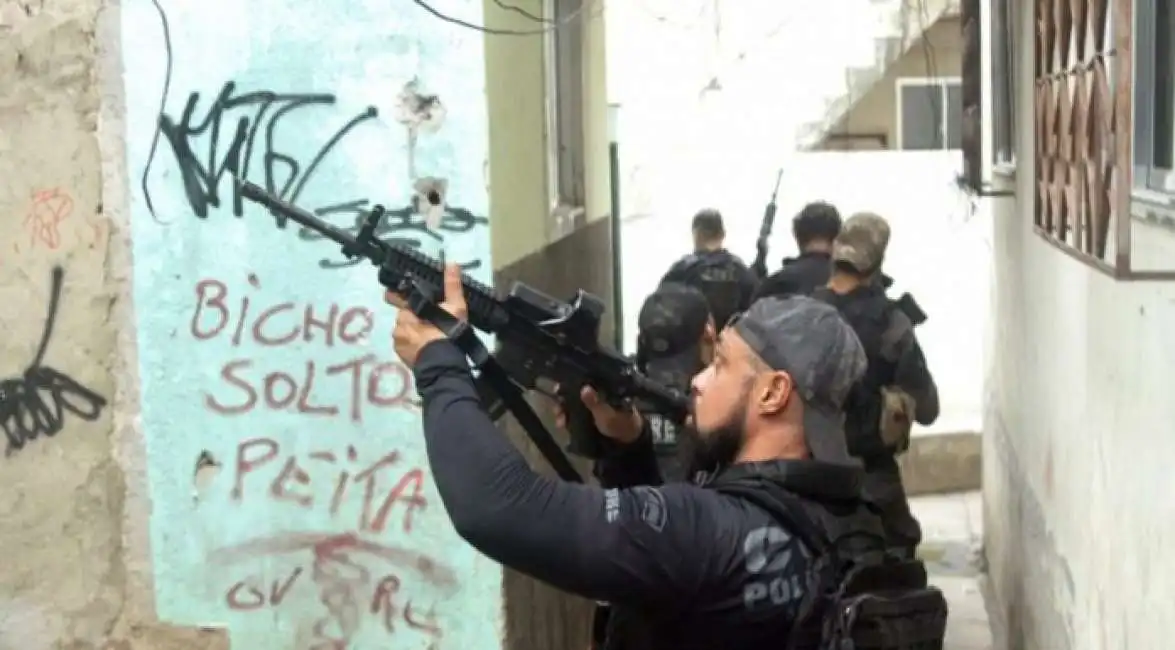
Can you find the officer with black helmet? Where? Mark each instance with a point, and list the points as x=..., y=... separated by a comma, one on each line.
x=675, y=341
x=719, y=274
x=897, y=389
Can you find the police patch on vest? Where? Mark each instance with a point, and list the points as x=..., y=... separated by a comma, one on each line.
x=768, y=554
x=652, y=504
x=719, y=274
x=611, y=505
x=664, y=430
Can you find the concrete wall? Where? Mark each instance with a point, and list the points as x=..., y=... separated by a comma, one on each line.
x=1078, y=445
x=210, y=441
x=939, y=53
x=539, y=617
x=516, y=93
x=285, y=468
x=63, y=487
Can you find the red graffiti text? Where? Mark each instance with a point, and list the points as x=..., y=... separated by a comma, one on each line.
x=386, y=488
x=305, y=387
x=279, y=324
x=350, y=592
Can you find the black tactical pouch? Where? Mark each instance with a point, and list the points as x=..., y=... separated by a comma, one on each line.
x=864, y=615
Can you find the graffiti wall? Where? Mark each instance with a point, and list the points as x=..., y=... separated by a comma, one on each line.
x=291, y=498
x=60, y=487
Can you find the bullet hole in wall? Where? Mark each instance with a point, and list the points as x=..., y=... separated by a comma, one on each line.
x=430, y=199
x=419, y=111
x=206, y=470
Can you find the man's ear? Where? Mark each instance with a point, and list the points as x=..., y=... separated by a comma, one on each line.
x=773, y=392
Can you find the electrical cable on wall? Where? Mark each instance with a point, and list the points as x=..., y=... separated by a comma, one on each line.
x=524, y=13
x=551, y=24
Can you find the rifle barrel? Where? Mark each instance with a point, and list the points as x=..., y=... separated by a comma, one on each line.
x=260, y=196
x=778, y=180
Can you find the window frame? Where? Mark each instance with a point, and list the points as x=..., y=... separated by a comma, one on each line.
x=564, y=70
x=1152, y=183
x=1004, y=44
x=943, y=83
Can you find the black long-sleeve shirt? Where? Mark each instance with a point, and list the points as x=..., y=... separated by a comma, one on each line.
x=799, y=276
x=631, y=465
x=677, y=548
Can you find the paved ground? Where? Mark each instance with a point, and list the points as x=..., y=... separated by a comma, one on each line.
x=952, y=527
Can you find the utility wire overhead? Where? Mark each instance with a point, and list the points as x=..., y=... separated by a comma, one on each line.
x=551, y=25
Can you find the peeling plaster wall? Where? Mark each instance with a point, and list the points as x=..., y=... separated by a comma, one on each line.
x=128, y=521
x=61, y=501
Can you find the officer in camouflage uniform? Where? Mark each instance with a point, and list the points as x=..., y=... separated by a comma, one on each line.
x=897, y=389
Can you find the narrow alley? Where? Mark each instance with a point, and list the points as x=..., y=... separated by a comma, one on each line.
x=952, y=548
x=213, y=444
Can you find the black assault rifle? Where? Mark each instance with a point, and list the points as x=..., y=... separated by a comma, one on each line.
x=540, y=338
x=760, y=264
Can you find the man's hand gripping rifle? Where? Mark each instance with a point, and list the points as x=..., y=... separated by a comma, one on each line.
x=540, y=339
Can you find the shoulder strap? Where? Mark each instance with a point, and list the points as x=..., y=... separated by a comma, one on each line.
x=826, y=579
x=789, y=511
x=897, y=328
x=493, y=379
x=784, y=508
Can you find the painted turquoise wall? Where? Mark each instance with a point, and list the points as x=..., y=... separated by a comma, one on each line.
x=291, y=498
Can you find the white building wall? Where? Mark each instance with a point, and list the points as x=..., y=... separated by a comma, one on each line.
x=1079, y=434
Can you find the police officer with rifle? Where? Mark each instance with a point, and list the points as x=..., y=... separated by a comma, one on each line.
x=745, y=560
x=775, y=549
x=719, y=274
x=897, y=389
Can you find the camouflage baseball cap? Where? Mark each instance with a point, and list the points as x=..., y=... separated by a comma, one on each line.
x=862, y=242
x=670, y=328
x=809, y=340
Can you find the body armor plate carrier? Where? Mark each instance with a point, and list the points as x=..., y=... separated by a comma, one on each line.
x=877, y=419
x=716, y=275
x=858, y=596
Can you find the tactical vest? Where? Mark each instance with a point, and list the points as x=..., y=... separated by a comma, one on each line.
x=716, y=275
x=857, y=596
x=869, y=312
